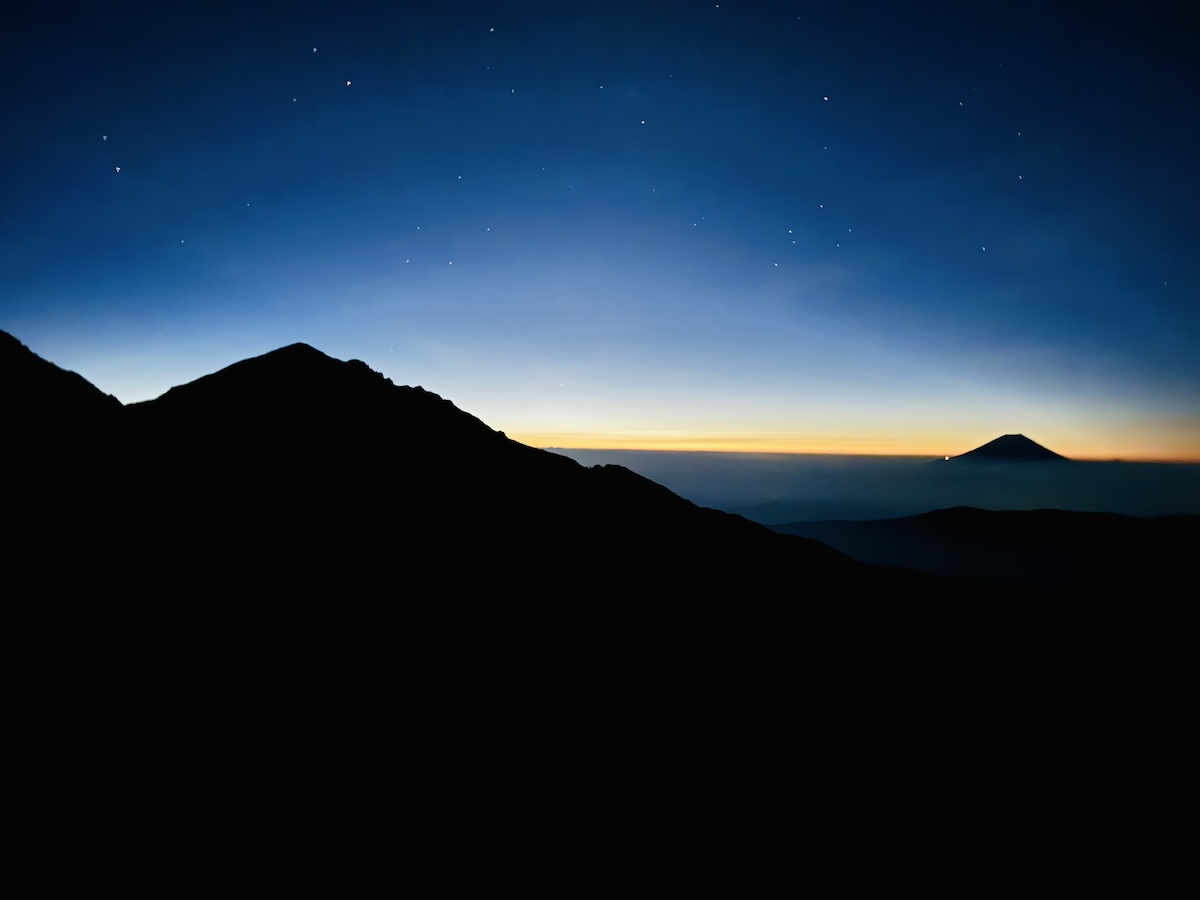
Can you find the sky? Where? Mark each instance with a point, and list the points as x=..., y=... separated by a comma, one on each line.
x=830, y=227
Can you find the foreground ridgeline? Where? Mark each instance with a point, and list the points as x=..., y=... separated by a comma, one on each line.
x=295, y=472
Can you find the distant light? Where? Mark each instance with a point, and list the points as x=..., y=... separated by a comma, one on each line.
x=118, y=168
x=106, y=137
x=347, y=83
x=947, y=457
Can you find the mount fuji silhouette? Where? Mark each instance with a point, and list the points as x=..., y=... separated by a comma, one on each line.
x=1011, y=448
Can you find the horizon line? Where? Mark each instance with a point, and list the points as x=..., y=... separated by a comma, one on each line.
x=668, y=447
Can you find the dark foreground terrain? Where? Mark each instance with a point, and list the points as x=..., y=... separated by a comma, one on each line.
x=1047, y=550
x=297, y=473
x=291, y=609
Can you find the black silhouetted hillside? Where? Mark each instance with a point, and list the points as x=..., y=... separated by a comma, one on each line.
x=285, y=579
x=294, y=471
x=1010, y=448
x=37, y=397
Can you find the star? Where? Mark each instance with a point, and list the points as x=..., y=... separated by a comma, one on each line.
x=347, y=83
x=118, y=168
x=106, y=137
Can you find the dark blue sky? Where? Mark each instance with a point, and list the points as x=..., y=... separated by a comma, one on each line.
x=860, y=227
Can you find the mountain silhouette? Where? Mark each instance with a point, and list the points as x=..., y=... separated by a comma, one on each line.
x=293, y=471
x=1010, y=448
x=292, y=566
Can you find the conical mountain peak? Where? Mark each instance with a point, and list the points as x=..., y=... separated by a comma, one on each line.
x=1011, y=448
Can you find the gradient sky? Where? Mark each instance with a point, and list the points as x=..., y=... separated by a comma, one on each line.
x=812, y=226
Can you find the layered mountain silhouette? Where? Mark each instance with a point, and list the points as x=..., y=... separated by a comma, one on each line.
x=287, y=578
x=1083, y=553
x=1010, y=448
x=295, y=471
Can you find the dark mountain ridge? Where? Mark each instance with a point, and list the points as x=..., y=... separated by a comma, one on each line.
x=292, y=566
x=1087, y=553
x=293, y=470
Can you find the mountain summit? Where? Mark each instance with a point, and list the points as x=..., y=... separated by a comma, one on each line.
x=1011, y=448
x=294, y=473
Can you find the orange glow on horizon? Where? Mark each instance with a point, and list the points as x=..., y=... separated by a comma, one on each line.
x=935, y=446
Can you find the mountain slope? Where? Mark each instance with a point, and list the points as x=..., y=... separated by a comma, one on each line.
x=1010, y=448
x=295, y=471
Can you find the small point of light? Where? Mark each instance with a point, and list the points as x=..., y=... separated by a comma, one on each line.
x=947, y=457
x=347, y=83
x=118, y=168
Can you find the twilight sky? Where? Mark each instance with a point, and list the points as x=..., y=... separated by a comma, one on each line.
x=862, y=227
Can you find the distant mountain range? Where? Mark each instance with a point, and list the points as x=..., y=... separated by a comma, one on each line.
x=1089, y=554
